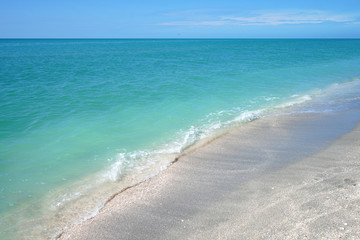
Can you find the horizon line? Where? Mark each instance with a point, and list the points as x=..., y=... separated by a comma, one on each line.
x=166, y=38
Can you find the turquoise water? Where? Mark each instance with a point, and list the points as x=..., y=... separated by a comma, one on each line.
x=77, y=115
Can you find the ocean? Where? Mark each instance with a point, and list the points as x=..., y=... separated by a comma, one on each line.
x=82, y=120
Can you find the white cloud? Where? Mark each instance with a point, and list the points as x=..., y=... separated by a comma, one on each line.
x=269, y=18
x=195, y=23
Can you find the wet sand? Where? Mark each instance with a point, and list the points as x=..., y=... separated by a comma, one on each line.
x=280, y=177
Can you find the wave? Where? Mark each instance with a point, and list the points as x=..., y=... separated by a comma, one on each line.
x=143, y=162
x=216, y=123
x=297, y=100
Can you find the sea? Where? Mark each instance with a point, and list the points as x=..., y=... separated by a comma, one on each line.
x=83, y=119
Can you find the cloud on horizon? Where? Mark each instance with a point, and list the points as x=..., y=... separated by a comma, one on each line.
x=268, y=18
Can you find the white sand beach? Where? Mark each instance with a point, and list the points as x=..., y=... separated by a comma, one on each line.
x=280, y=177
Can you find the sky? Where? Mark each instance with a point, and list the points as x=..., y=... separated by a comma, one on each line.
x=180, y=19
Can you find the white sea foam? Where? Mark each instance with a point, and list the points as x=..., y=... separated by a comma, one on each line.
x=297, y=100
x=141, y=162
x=247, y=116
x=268, y=99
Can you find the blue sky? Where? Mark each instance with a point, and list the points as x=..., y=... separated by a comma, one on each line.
x=179, y=19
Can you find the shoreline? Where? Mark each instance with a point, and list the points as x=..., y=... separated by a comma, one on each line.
x=178, y=203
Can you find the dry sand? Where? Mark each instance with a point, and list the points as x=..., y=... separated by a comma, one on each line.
x=285, y=177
